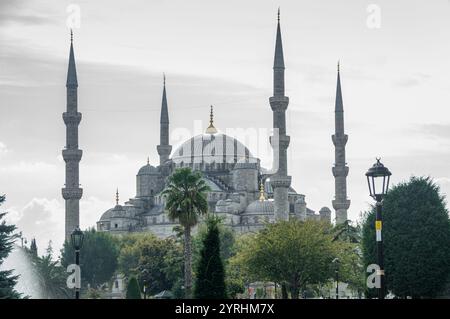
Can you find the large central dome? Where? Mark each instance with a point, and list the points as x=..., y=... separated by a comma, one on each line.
x=212, y=149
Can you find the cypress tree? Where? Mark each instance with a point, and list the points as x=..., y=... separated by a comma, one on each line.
x=133, y=290
x=7, y=237
x=33, y=248
x=416, y=239
x=210, y=283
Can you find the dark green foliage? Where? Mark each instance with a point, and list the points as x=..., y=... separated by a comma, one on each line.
x=33, y=248
x=186, y=202
x=293, y=253
x=157, y=262
x=98, y=257
x=133, y=290
x=210, y=283
x=7, y=237
x=416, y=239
x=51, y=275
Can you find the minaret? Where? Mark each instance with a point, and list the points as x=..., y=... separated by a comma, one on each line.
x=279, y=181
x=71, y=154
x=164, y=148
x=340, y=169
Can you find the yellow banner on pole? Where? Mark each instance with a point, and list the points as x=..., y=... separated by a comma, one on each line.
x=378, y=225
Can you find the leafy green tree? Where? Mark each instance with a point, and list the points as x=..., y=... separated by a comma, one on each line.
x=133, y=290
x=210, y=282
x=7, y=238
x=186, y=202
x=98, y=257
x=416, y=239
x=157, y=262
x=52, y=276
x=294, y=253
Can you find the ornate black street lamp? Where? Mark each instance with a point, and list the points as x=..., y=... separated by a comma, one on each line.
x=378, y=180
x=335, y=263
x=77, y=237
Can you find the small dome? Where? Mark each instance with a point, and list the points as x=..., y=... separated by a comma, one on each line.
x=148, y=170
x=106, y=215
x=260, y=207
x=325, y=210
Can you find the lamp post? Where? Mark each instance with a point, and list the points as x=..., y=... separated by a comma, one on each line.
x=336, y=272
x=77, y=237
x=378, y=181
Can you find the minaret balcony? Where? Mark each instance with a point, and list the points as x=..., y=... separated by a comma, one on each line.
x=282, y=141
x=340, y=171
x=71, y=155
x=339, y=140
x=341, y=204
x=279, y=103
x=280, y=181
x=72, y=193
x=71, y=118
x=164, y=149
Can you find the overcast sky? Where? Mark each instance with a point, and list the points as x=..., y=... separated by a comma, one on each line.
x=394, y=69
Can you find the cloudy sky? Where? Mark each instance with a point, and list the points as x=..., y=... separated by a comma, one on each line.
x=395, y=77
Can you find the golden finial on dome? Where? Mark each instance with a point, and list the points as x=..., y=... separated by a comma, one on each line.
x=261, y=192
x=117, y=196
x=148, y=160
x=211, y=129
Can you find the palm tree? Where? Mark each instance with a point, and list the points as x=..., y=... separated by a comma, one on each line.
x=52, y=276
x=185, y=202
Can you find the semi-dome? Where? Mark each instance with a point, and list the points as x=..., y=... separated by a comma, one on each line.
x=148, y=170
x=260, y=207
x=212, y=148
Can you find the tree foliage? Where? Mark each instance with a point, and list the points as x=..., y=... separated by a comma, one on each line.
x=7, y=238
x=133, y=290
x=155, y=262
x=185, y=202
x=98, y=257
x=210, y=281
x=294, y=253
x=416, y=239
x=51, y=275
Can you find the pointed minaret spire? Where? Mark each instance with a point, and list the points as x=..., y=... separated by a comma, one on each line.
x=72, y=71
x=280, y=180
x=117, y=196
x=340, y=169
x=71, y=153
x=339, y=105
x=211, y=129
x=262, y=197
x=164, y=148
x=278, y=62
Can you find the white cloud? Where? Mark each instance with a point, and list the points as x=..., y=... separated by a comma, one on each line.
x=27, y=167
x=43, y=219
x=3, y=149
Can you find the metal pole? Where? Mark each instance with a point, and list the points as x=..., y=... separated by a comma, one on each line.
x=77, y=262
x=378, y=228
x=337, y=283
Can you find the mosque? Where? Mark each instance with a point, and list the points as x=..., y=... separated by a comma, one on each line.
x=245, y=194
